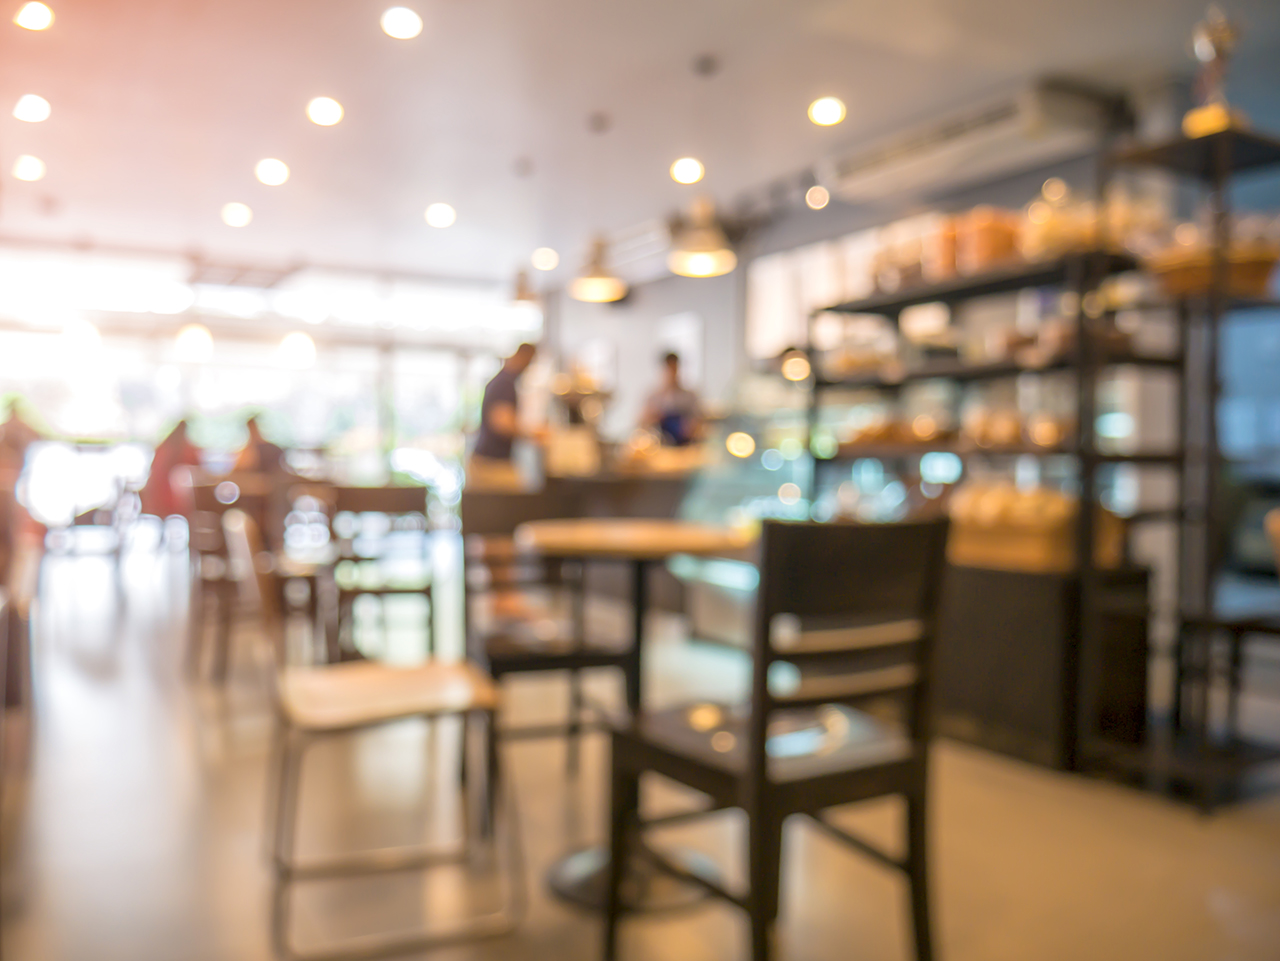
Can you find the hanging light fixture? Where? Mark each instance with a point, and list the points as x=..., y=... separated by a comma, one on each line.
x=699, y=247
x=597, y=284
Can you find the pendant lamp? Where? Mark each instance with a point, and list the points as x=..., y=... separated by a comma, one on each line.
x=699, y=247
x=596, y=284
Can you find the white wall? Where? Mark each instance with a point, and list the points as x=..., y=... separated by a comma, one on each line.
x=634, y=329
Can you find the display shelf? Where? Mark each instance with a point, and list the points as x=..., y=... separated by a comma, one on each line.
x=1016, y=277
x=1242, y=151
x=856, y=451
x=959, y=370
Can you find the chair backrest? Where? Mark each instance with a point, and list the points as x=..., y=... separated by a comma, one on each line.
x=380, y=500
x=852, y=608
x=257, y=574
x=499, y=513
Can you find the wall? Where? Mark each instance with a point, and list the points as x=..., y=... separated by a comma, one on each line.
x=634, y=327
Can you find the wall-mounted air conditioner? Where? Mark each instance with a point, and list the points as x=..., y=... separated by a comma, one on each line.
x=1047, y=122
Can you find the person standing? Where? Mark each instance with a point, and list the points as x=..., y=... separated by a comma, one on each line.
x=673, y=410
x=490, y=464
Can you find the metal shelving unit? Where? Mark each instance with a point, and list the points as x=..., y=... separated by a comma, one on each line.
x=1191, y=754
x=1082, y=274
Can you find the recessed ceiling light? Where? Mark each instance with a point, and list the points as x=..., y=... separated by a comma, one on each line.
x=31, y=108
x=324, y=111
x=401, y=23
x=441, y=215
x=296, y=350
x=826, y=111
x=817, y=197
x=544, y=258
x=194, y=344
x=687, y=170
x=34, y=16
x=236, y=215
x=28, y=167
x=272, y=172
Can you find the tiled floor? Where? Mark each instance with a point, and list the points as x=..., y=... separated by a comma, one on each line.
x=144, y=830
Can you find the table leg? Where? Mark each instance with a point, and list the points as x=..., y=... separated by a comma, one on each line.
x=580, y=877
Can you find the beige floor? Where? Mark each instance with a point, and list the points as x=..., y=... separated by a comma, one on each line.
x=143, y=836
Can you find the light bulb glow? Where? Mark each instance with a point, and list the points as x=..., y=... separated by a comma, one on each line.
x=271, y=172
x=28, y=168
x=31, y=108
x=401, y=23
x=441, y=215
x=544, y=258
x=324, y=111
x=34, y=16
x=236, y=214
x=796, y=367
x=740, y=444
x=826, y=111
x=789, y=494
x=817, y=197
x=702, y=263
x=194, y=344
x=687, y=170
x=297, y=351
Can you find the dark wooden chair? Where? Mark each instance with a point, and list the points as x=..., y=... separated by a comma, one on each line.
x=839, y=712
x=383, y=549
x=213, y=588
x=516, y=644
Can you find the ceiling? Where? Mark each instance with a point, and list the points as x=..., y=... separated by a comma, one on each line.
x=161, y=108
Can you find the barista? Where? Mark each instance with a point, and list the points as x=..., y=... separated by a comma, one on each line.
x=673, y=410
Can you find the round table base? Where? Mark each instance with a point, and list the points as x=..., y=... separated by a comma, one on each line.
x=580, y=879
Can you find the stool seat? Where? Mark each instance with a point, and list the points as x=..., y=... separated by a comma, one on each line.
x=365, y=692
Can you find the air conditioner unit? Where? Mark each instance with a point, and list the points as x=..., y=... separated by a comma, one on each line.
x=1047, y=122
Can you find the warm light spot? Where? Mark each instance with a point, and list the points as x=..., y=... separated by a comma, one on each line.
x=723, y=741
x=1039, y=212
x=271, y=172
x=789, y=493
x=817, y=197
x=401, y=23
x=32, y=109
x=687, y=170
x=28, y=167
x=795, y=367
x=441, y=215
x=236, y=215
x=739, y=444
x=705, y=717
x=826, y=111
x=1054, y=190
x=34, y=16
x=544, y=258
x=194, y=344
x=296, y=350
x=324, y=111
x=1186, y=234
x=924, y=427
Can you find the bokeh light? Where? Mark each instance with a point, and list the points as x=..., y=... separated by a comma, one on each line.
x=401, y=23
x=27, y=167
x=236, y=214
x=34, y=16
x=739, y=444
x=324, y=111
x=544, y=258
x=441, y=215
x=687, y=170
x=826, y=111
x=32, y=108
x=271, y=171
x=817, y=197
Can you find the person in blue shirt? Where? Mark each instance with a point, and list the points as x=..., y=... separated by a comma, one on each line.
x=490, y=463
x=673, y=410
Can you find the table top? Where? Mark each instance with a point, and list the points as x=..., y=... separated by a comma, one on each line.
x=627, y=538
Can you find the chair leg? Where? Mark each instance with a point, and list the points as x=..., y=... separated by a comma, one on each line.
x=195, y=628
x=764, y=854
x=222, y=636
x=289, y=777
x=573, y=745
x=275, y=761
x=623, y=807
x=493, y=774
x=918, y=874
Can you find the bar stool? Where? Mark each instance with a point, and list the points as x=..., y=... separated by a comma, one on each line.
x=320, y=702
x=843, y=635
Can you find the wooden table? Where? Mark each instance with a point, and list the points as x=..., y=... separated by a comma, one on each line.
x=579, y=877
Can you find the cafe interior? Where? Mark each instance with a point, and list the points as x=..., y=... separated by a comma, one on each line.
x=691, y=480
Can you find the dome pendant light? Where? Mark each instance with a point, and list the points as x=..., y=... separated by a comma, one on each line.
x=699, y=247
x=596, y=284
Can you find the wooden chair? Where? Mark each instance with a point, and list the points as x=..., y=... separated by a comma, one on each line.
x=376, y=562
x=520, y=645
x=844, y=620
x=213, y=588
x=317, y=702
